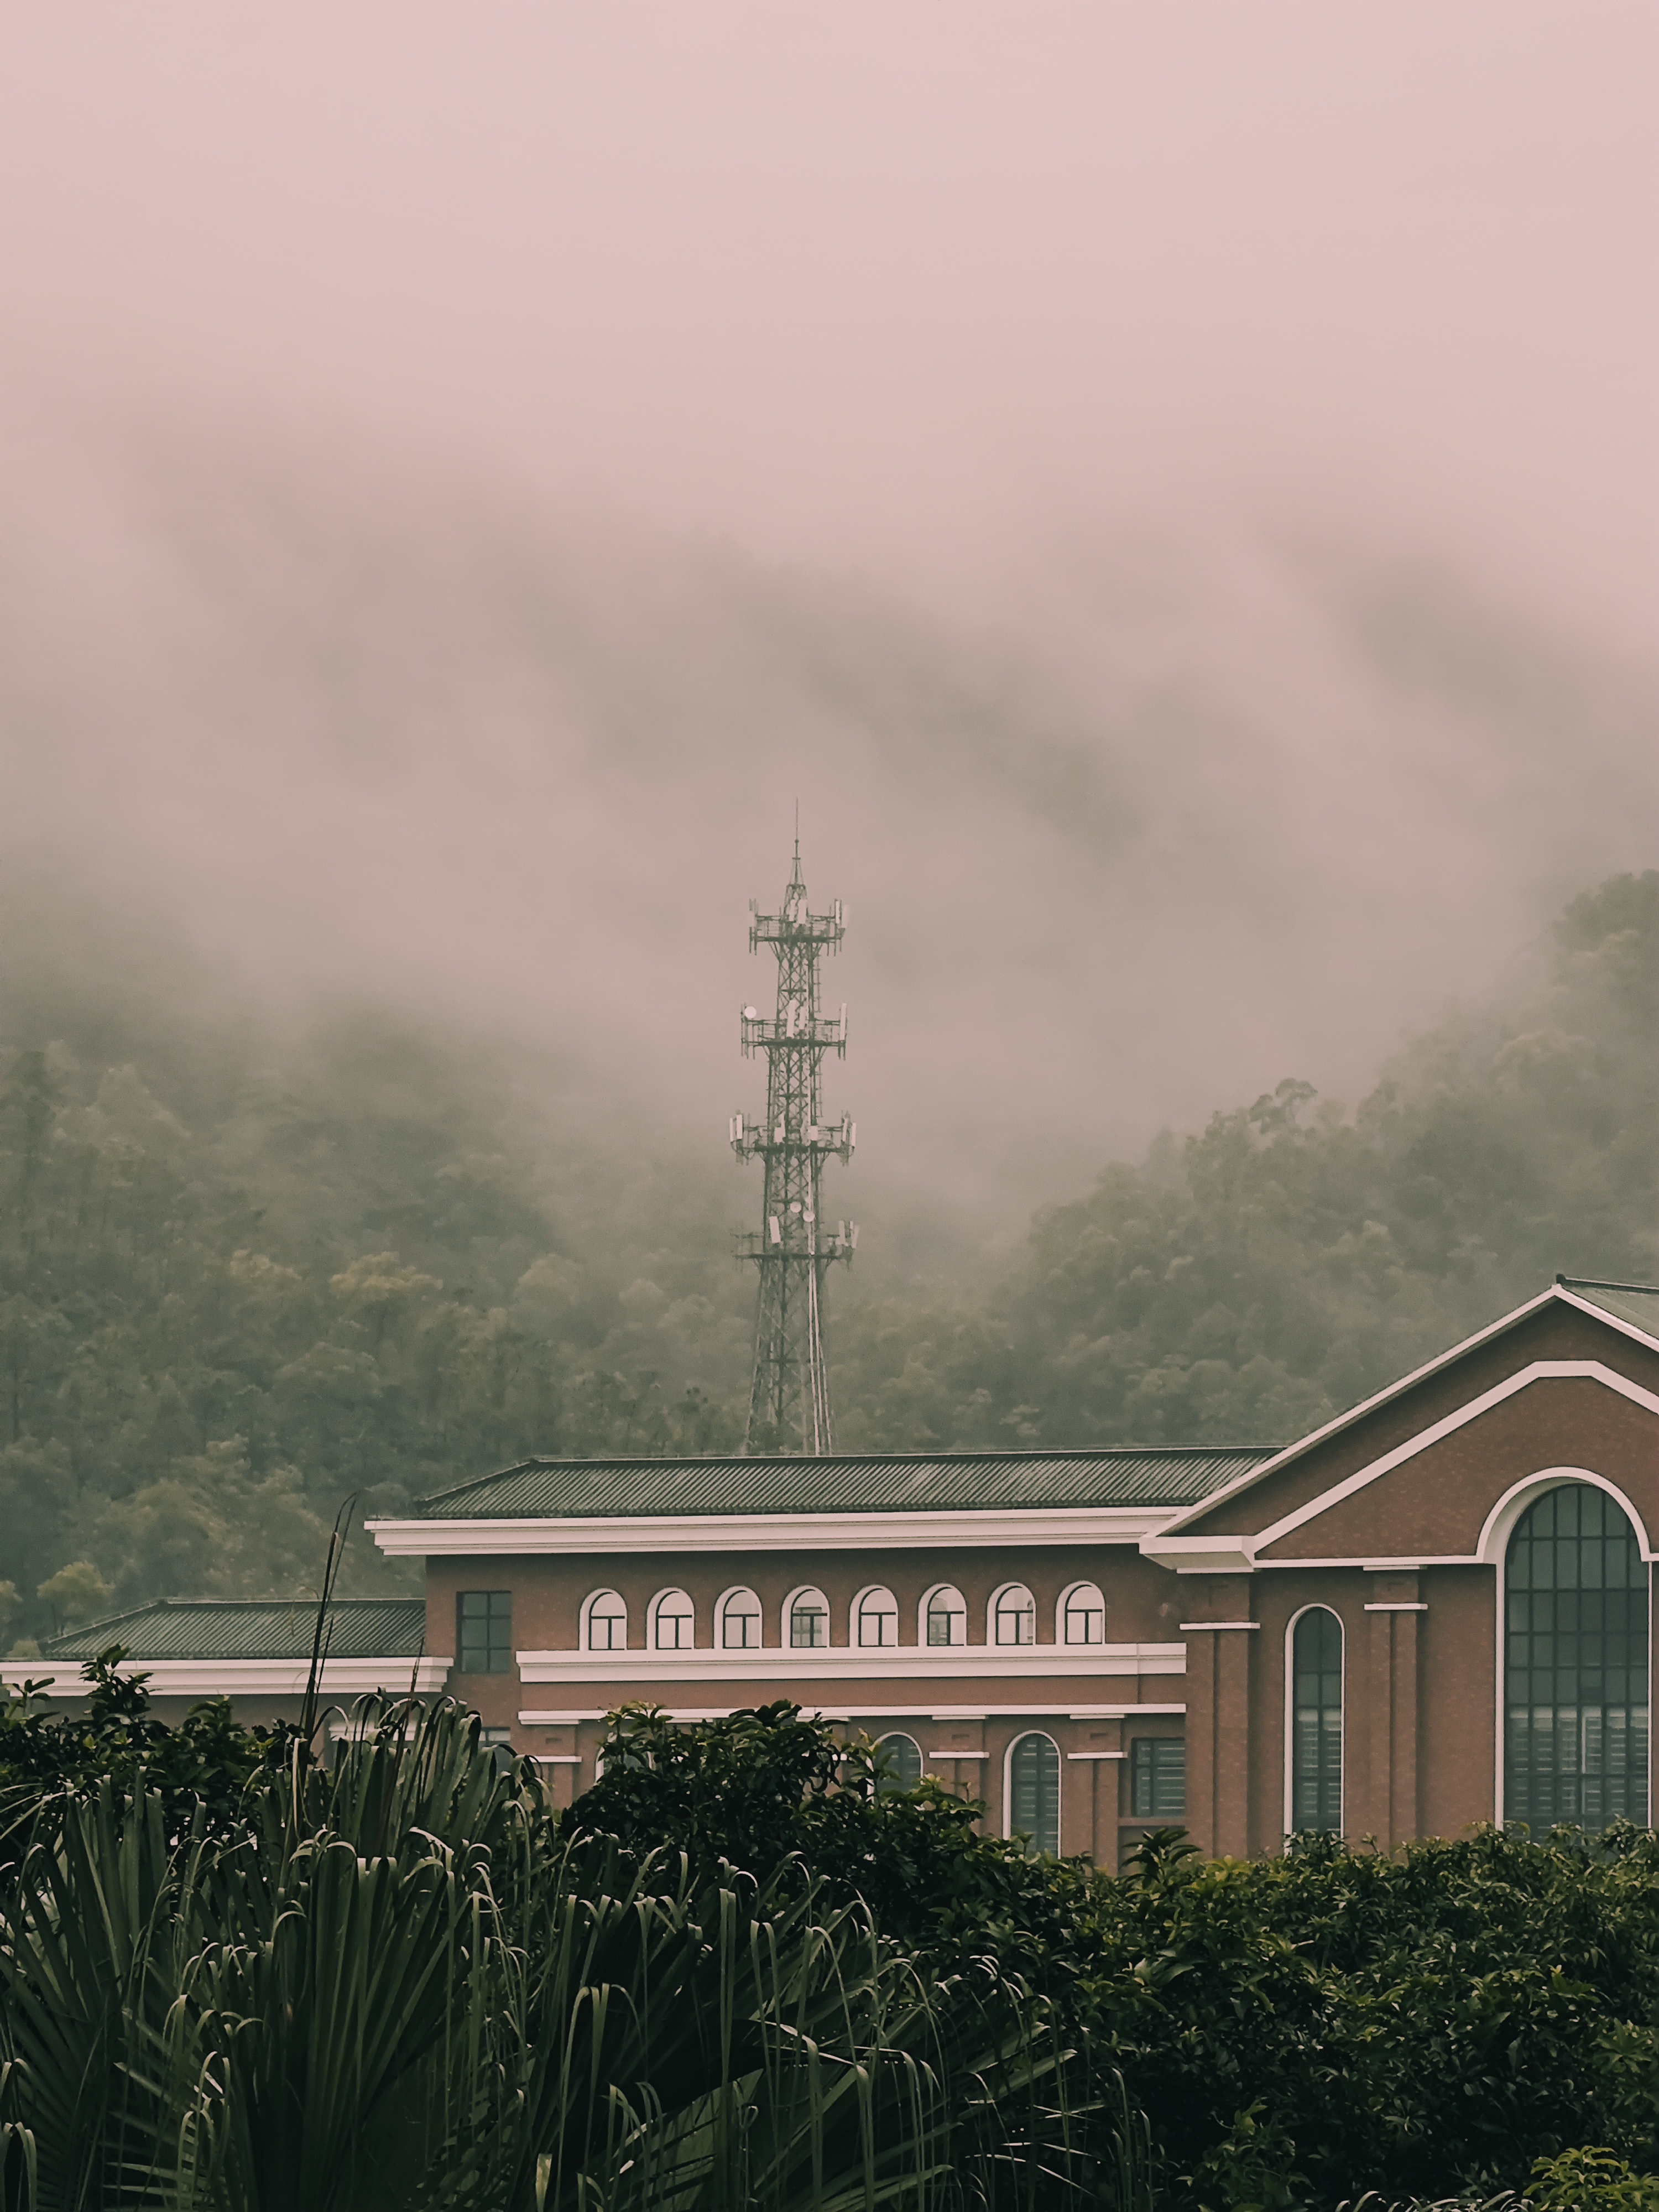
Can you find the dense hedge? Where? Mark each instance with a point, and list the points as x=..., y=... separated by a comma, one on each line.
x=1297, y=2030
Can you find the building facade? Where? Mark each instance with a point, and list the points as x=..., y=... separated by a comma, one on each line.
x=1435, y=1610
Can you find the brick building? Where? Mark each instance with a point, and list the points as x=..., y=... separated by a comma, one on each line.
x=1433, y=1610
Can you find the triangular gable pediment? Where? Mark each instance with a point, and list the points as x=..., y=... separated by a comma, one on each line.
x=1415, y=1472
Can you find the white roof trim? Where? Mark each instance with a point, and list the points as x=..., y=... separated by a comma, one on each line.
x=1202, y=1555
x=238, y=1677
x=1614, y=1321
x=1334, y=1427
x=934, y=1664
x=977, y=1528
x=1539, y=1371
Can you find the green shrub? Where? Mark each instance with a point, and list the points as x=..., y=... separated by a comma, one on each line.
x=1590, y=2181
x=394, y=1986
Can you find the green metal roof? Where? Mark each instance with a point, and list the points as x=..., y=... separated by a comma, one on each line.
x=583, y=1489
x=251, y=1628
x=1635, y=1302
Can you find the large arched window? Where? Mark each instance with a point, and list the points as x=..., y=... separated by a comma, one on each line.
x=904, y=1757
x=1081, y=1614
x=1574, y=1663
x=806, y=1620
x=1316, y=1720
x=605, y=1622
x=944, y=1615
x=673, y=1623
x=1032, y=1792
x=738, y=1622
x=1013, y=1616
x=875, y=1617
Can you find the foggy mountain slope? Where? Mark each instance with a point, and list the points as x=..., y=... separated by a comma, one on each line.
x=1248, y=1281
x=1119, y=831
x=244, y=1272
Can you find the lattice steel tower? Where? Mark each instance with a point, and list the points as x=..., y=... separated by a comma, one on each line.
x=794, y=1248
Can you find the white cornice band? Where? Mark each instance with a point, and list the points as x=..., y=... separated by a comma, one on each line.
x=767, y=1532
x=942, y=1715
x=241, y=1678
x=922, y=1662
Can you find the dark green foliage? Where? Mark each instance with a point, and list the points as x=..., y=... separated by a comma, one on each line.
x=760, y=1786
x=1335, y=2020
x=200, y=1767
x=420, y=1945
x=229, y=1296
x=390, y=1984
x=1298, y=2029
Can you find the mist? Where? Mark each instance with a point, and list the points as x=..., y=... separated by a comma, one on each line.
x=1171, y=499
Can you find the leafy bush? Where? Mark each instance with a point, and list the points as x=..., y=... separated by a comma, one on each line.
x=1589, y=2180
x=393, y=1984
x=1295, y=2027
x=408, y=1976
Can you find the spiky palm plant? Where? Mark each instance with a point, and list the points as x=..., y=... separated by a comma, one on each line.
x=395, y=1988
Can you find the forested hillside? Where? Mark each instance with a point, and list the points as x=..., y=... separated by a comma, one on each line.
x=1245, y=1282
x=235, y=1287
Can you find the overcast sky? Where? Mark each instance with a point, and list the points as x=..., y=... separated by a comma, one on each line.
x=1172, y=490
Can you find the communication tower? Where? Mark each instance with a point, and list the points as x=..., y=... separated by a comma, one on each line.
x=794, y=1248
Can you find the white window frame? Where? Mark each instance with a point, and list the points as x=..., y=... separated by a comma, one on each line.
x=786, y=1618
x=754, y=1610
x=585, y=1629
x=1314, y=1605
x=1005, y=1590
x=937, y=1590
x=1063, y=1603
x=855, y=1612
x=1014, y=1742
x=894, y=1735
x=653, y=1614
x=1494, y=1549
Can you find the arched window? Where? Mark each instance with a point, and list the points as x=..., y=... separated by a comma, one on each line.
x=738, y=1622
x=673, y=1624
x=605, y=1622
x=945, y=1616
x=806, y=1617
x=903, y=1756
x=1574, y=1663
x=1013, y=1615
x=1082, y=1612
x=1032, y=1792
x=1315, y=1731
x=875, y=1617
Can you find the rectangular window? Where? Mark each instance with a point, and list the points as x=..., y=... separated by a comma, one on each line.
x=607, y=1631
x=809, y=1628
x=1157, y=1777
x=741, y=1631
x=945, y=1626
x=483, y=1632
